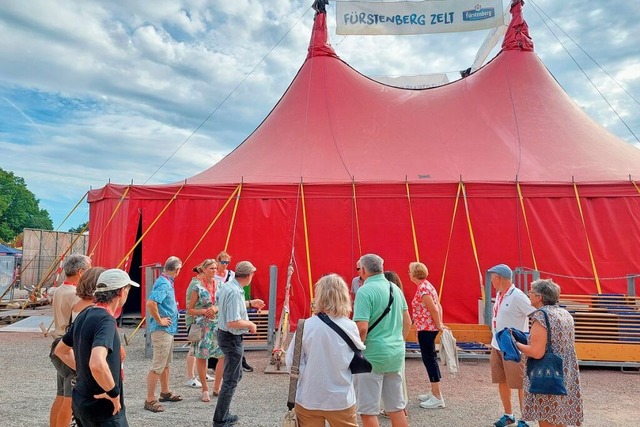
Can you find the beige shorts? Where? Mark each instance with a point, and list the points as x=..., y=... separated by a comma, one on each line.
x=162, y=351
x=506, y=371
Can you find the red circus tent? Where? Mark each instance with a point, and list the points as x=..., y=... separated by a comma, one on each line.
x=498, y=167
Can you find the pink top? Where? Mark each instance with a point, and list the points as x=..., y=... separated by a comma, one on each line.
x=422, y=319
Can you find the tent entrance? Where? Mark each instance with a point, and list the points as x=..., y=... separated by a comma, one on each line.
x=132, y=310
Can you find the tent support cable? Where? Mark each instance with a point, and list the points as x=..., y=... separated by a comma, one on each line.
x=233, y=215
x=473, y=240
x=175, y=196
x=52, y=268
x=58, y=259
x=446, y=255
x=211, y=224
x=355, y=207
x=526, y=223
x=586, y=235
x=113, y=214
x=306, y=240
x=413, y=225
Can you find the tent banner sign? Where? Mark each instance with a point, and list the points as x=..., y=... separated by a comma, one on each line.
x=419, y=17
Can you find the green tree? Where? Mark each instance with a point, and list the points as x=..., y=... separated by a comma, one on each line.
x=19, y=208
x=80, y=228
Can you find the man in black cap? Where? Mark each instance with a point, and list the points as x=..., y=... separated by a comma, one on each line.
x=91, y=346
x=511, y=310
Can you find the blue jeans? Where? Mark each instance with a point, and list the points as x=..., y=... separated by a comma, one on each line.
x=231, y=346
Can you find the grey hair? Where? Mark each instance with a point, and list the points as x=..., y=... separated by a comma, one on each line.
x=548, y=290
x=332, y=296
x=108, y=296
x=173, y=263
x=372, y=263
x=76, y=262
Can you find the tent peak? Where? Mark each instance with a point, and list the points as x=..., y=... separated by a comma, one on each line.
x=517, y=36
x=319, y=46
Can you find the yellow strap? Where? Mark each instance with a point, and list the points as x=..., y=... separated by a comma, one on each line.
x=72, y=210
x=586, y=235
x=175, y=196
x=413, y=226
x=52, y=268
x=446, y=255
x=634, y=184
x=113, y=214
x=306, y=240
x=233, y=216
x=355, y=206
x=473, y=240
x=526, y=224
x=212, y=223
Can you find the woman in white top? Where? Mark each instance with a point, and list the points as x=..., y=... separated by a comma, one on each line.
x=325, y=386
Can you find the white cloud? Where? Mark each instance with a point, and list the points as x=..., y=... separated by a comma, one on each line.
x=93, y=90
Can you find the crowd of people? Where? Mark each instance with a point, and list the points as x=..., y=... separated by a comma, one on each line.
x=372, y=312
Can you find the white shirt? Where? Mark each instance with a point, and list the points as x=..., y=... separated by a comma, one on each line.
x=228, y=276
x=325, y=381
x=512, y=313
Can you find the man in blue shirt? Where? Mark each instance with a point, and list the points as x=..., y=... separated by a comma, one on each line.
x=233, y=322
x=162, y=315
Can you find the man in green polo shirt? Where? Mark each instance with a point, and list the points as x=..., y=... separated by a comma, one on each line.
x=382, y=316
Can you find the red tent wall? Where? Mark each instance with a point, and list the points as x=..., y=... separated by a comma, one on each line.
x=263, y=232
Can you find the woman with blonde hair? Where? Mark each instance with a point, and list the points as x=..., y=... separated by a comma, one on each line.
x=202, y=307
x=325, y=385
x=427, y=319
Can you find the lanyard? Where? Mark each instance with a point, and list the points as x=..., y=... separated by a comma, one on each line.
x=499, y=297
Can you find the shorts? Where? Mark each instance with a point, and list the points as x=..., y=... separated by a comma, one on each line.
x=506, y=371
x=162, y=351
x=65, y=377
x=372, y=386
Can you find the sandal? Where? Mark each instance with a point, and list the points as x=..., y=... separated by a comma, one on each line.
x=170, y=397
x=153, y=406
x=205, y=396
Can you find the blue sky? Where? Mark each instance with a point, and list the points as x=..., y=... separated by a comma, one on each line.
x=94, y=91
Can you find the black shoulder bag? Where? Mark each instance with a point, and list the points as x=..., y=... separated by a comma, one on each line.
x=546, y=375
x=359, y=364
x=386, y=310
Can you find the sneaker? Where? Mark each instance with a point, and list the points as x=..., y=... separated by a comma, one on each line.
x=232, y=420
x=522, y=423
x=425, y=397
x=505, y=421
x=193, y=382
x=210, y=378
x=433, y=403
x=246, y=367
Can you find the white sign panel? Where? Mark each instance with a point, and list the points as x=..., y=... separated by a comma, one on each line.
x=421, y=17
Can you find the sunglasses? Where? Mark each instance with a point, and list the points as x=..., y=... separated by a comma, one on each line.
x=358, y=268
x=224, y=262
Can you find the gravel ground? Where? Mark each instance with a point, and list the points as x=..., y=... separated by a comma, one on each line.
x=27, y=389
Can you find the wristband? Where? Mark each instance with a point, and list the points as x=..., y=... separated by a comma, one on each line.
x=114, y=392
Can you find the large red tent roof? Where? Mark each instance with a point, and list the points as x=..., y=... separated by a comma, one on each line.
x=509, y=119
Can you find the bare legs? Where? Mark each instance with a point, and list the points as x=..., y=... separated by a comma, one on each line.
x=60, y=414
x=152, y=382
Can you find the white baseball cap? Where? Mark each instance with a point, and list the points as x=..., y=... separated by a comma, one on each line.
x=114, y=279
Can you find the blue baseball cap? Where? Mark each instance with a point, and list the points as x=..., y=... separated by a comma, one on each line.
x=502, y=270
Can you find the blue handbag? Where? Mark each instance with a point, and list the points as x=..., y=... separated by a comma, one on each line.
x=546, y=375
